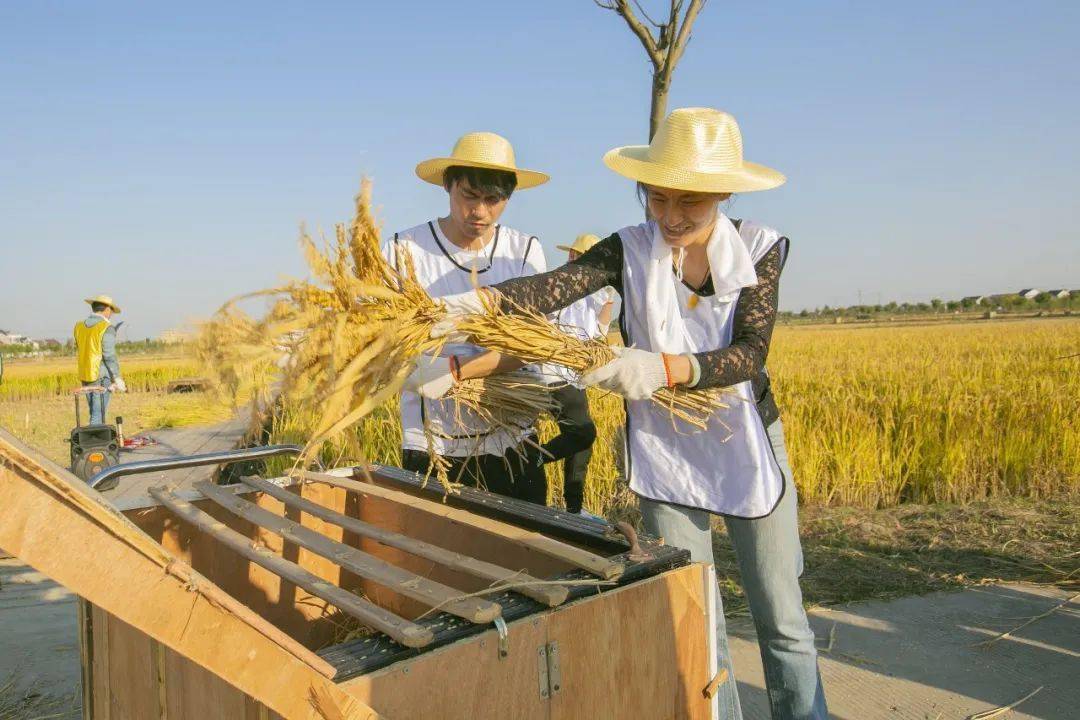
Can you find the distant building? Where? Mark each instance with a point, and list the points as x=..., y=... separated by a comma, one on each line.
x=1029, y=293
x=975, y=300
x=1058, y=294
x=10, y=338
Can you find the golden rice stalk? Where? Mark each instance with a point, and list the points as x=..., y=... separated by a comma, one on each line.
x=339, y=345
x=532, y=337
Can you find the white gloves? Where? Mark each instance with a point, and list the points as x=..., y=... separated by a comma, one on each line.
x=457, y=306
x=634, y=374
x=119, y=385
x=431, y=377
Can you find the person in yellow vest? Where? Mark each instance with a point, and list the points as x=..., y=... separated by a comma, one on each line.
x=95, y=348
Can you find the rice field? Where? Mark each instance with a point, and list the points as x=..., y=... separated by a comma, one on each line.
x=32, y=379
x=874, y=416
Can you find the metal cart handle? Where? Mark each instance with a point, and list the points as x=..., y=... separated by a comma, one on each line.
x=185, y=461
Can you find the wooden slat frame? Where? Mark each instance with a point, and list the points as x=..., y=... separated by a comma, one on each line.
x=591, y=562
x=403, y=631
x=550, y=595
x=125, y=574
x=365, y=565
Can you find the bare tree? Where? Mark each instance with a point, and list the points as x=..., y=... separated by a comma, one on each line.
x=664, y=50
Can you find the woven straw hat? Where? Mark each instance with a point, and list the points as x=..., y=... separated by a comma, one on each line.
x=582, y=244
x=104, y=300
x=480, y=150
x=695, y=149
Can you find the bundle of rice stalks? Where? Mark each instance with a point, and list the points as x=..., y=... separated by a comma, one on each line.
x=532, y=337
x=340, y=345
x=343, y=343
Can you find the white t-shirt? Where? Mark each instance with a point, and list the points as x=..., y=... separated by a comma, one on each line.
x=582, y=318
x=442, y=268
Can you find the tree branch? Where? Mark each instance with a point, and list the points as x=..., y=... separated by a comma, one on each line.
x=646, y=15
x=677, y=48
x=622, y=7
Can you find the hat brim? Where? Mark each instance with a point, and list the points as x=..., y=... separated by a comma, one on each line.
x=432, y=171
x=91, y=301
x=565, y=248
x=632, y=161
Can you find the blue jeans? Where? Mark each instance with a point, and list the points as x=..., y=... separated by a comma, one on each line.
x=770, y=563
x=98, y=401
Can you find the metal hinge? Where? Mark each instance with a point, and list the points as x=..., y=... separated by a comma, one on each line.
x=547, y=665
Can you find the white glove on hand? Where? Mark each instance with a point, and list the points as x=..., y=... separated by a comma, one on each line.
x=470, y=302
x=431, y=377
x=120, y=385
x=634, y=374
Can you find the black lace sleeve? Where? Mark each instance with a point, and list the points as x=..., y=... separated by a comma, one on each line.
x=755, y=316
x=555, y=289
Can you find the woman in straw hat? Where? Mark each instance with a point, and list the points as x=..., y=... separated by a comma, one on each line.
x=699, y=302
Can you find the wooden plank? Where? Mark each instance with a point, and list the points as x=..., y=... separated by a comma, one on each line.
x=550, y=595
x=405, y=632
x=640, y=651
x=123, y=572
x=468, y=680
x=133, y=692
x=649, y=640
x=99, y=627
x=419, y=588
x=593, y=563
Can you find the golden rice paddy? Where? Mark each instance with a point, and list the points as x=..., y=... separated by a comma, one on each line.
x=874, y=416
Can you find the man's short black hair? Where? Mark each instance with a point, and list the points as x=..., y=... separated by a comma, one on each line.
x=500, y=183
x=98, y=307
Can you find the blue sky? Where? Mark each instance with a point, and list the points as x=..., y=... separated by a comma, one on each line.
x=166, y=153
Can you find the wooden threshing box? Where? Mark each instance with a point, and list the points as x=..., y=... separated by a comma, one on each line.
x=222, y=601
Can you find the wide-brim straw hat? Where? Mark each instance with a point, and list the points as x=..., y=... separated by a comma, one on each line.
x=582, y=244
x=480, y=150
x=104, y=300
x=694, y=149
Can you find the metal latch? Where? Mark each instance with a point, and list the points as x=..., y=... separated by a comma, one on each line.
x=504, y=637
x=547, y=665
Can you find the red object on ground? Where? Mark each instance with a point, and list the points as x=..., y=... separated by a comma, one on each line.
x=138, y=441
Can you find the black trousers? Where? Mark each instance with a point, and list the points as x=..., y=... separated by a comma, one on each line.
x=518, y=474
x=577, y=432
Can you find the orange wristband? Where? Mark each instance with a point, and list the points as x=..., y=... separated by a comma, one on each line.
x=455, y=368
x=667, y=370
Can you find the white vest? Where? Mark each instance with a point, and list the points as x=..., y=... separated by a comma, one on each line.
x=442, y=268
x=729, y=467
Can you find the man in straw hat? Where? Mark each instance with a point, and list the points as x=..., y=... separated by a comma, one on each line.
x=588, y=318
x=95, y=349
x=449, y=255
x=699, y=295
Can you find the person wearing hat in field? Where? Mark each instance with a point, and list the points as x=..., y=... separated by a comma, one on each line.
x=95, y=349
x=589, y=318
x=699, y=294
x=450, y=255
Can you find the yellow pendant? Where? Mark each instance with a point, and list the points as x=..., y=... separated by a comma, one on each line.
x=693, y=301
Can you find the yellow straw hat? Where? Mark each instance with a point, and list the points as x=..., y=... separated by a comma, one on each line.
x=104, y=300
x=695, y=149
x=582, y=244
x=480, y=150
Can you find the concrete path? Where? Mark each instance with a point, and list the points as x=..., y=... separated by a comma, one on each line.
x=908, y=659
x=39, y=646
x=913, y=658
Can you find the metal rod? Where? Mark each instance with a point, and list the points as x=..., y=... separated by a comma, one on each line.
x=105, y=479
